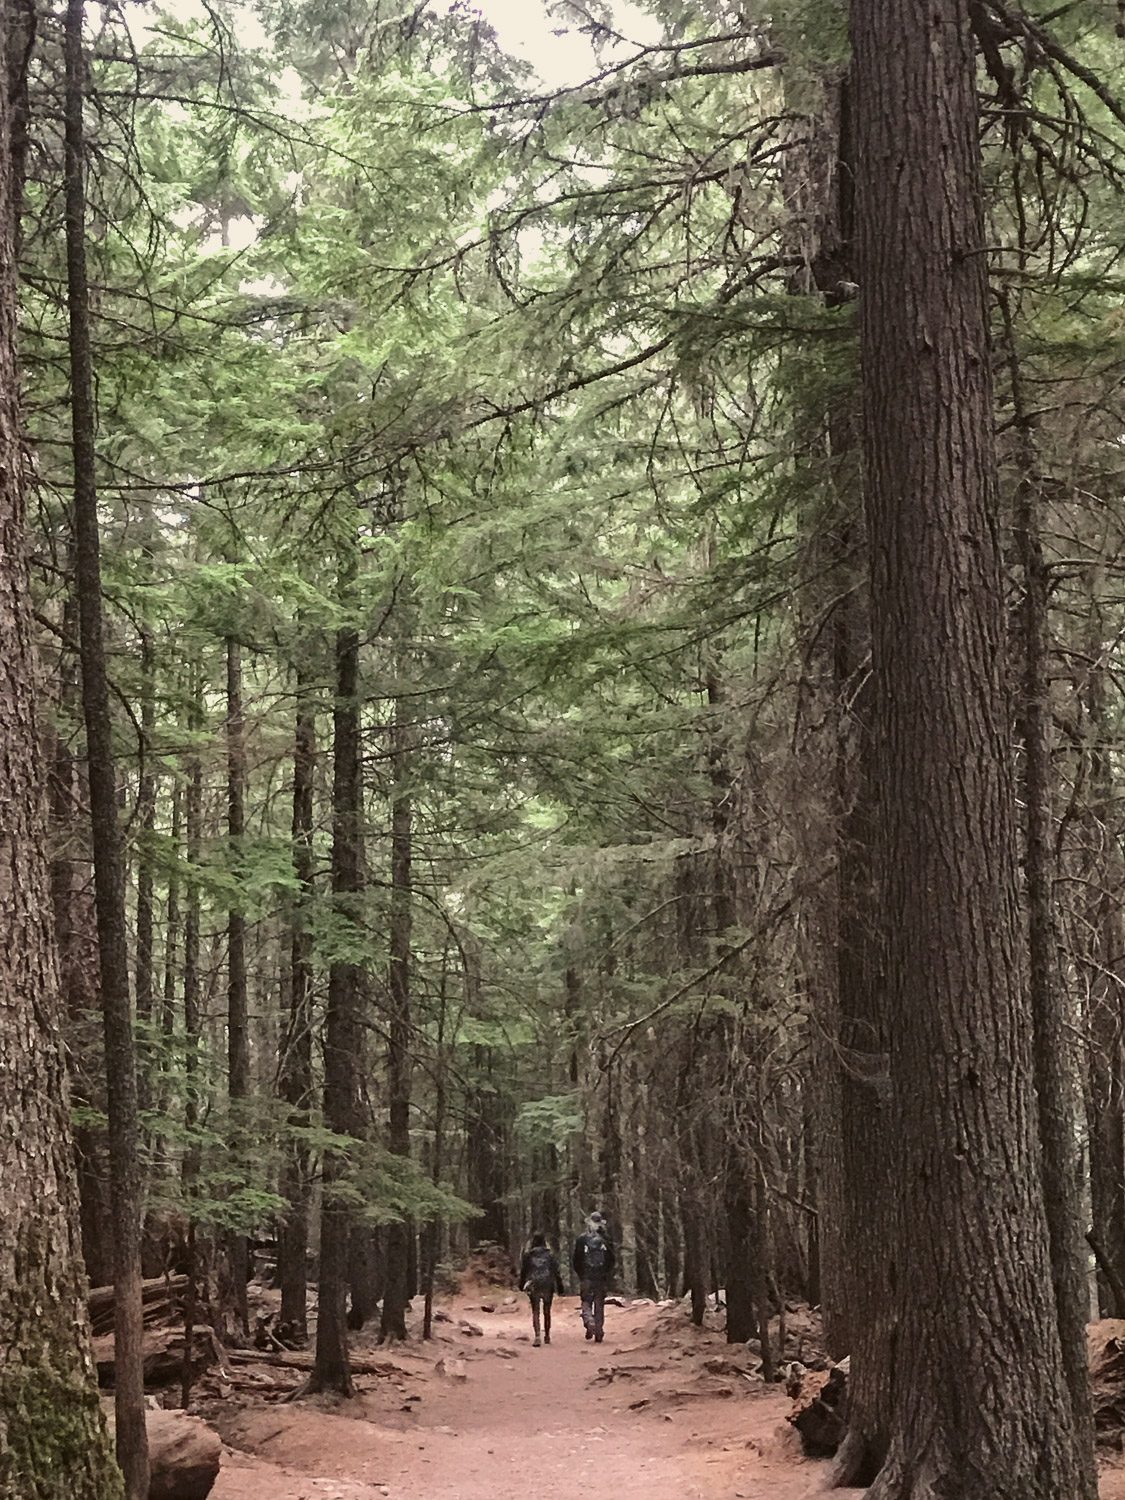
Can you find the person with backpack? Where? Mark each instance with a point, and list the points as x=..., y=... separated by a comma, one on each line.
x=540, y=1278
x=593, y=1265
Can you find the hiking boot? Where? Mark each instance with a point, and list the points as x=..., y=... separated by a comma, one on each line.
x=598, y=1337
x=589, y=1334
x=546, y=1338
x=535, y=1345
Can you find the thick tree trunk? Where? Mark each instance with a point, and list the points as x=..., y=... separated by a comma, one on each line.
x=296, y=1063
x=331, y=1371
x=367, y=1271
x=47, y=1386
x=108, y=843
x=238, y=1019
x=739, y=1280
x=982, y=1408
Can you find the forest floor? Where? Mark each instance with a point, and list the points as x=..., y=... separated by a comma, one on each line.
x=659, y=1411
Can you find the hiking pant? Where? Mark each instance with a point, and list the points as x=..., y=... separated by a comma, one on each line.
x=545, y=1299
x=593, y=1306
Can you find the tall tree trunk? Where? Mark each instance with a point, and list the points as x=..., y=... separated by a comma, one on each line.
x=332, y=1371
x=296, y=1062
x=396, y=1291
x=982, y=1408
x=108, y=843
x=865, y=1094
x=831, y=763
x=238, y=1020
x=1056, y=1062
x=193, y=1021
x=47, y=1385
x=193, y=845
x=146, y=820
x=1105, y=876
x=172, y=933
x=76, y=939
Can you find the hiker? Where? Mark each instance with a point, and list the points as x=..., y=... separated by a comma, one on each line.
x=593, y=1265
x=540, y=1278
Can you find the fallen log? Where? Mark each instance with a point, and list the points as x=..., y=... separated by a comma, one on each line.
x=163, y=1355
x=295, y=1359
x=160, y=1296
x=184, y=1455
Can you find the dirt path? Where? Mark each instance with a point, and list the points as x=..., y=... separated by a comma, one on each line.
x=660, y=1411
x=651, y=1414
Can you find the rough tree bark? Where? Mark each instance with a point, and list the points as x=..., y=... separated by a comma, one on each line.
x=52, y=1437
x=296, y=1062
x=829, y=764
x=1056, y=1061
x=108, y=842
x=981, y=1406
x=1105, y=879
x=331, y=1371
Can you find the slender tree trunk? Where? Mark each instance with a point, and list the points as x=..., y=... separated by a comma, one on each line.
x=332, y=1371
x=865, y=1093
x=146, y=819
x=296, y=1064
x=172, y=926
x=396, y=1292
x=1105, y=875
x=238, y=1020
x=761, y=1252
x=193, y=1025
x=47, y=1385
x=982, y=1409
x=1056, y=1061
x=831, y=764
x=437, y=1158
x=76, y=938
x=108, y=844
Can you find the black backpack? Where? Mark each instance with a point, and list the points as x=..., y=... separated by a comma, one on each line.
x=541, y=1274
x=595, y=1258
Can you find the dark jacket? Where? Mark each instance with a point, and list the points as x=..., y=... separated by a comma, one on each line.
x=525, y=1271
x=579, y=1258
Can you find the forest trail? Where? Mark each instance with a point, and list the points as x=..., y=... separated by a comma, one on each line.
x=660, y=1411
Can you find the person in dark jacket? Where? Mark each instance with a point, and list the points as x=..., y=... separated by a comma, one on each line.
x=540, y=1278
x=593, y=1265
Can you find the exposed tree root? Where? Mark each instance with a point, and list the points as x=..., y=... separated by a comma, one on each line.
x=897, y=1481
x=854, y=1466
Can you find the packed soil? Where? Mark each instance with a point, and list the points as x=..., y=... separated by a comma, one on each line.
x=659, y=1411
